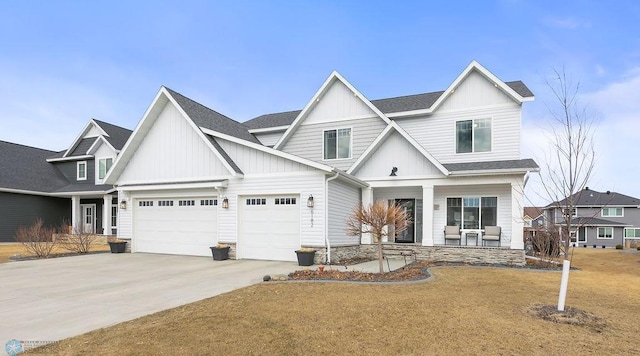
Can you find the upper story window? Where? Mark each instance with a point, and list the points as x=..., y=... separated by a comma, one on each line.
x=82, y=170
x=473, y=136
x=104, y=165
x=337, y=144
x=613, y=212
x=573, y=212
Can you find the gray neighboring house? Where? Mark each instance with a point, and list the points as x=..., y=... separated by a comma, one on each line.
x=599, y=218
x=57, y=186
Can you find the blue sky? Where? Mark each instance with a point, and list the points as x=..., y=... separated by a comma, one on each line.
x=65, y=62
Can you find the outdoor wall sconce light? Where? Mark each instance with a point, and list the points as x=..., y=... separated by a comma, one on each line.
x=225, y=203
x=123, y=205
x=310, y=201
x=394, y=170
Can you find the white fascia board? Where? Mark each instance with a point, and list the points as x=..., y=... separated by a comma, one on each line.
x=492, y=172
x=140, y=130
x=200, y=133
x=92, y=150
x=269, y=129
x=351, y=179
x=268, y=150
x=420, y=149
x=174, y=181
x=316, y=98
x=83, y=193
x=80, y=135
x=372, y=147
x=102, y=132
x=174, y=186
x=72, y=158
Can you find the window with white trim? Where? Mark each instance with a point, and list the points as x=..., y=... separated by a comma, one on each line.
x=165, y=202
x=258, y=201
x=632, y=232
x=605, y=233
x=114, y=216
x=473, y=136
x=612, y=212
x=337, y=143
x=82, y=170
x=285, y=201
x=209, y=202
x=472, y=212
x=104, y=164
x=186, y=202
x=145, y=203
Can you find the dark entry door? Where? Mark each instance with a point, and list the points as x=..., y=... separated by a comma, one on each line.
x=408, y=235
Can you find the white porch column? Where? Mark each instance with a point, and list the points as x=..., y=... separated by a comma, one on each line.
x=367, y=199
x=427, y=215
x=76, y=214
x=517, y=223
x=106, y=214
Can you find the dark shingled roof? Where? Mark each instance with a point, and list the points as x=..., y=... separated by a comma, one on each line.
x=83, y=146
x=84, y=187
x=26, y=168
x=387, y=106
x=588, y=198
x=527, y=163
x=224, y=154
x=118, y=136
x=202, y=116
x=589, y=221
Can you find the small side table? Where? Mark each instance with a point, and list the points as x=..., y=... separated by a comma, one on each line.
x=472, y=235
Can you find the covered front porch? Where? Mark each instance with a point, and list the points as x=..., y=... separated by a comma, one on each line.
x=474, y=209
x=94, y=212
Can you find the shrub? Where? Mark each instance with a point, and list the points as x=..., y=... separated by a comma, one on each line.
x=37, y=239
x=618, y=247
x=638, y=248
x=80, y=240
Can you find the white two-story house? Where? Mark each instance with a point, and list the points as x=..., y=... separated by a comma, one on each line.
x=190, y=177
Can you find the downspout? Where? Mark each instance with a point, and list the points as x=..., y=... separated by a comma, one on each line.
x=326, y=217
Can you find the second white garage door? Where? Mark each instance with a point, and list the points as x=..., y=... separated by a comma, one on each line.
x=179, y=226
x=269, y=227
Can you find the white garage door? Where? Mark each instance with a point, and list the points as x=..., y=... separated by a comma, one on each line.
x=179, y=226
x=269, y=227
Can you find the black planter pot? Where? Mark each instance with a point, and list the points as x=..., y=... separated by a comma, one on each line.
x=220, y=253
x=305, y=258
x=118, y=247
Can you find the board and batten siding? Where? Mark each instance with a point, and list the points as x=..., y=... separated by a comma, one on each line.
x=396, y=151
x=172, y=149
x=253, y=161
x=501, y=191
x=304, y=184
x=269, y=139
x=307, y=140
x=343, y=198
x=475, y=98
x=337, y=102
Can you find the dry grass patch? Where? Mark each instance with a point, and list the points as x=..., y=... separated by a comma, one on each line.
x=464, y=310
x=9, y=249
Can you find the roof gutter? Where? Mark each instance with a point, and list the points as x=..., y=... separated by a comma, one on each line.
x=70, y=158
x=492, y=172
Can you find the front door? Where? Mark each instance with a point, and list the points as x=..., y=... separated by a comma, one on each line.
x=408, y=235
x=88, y=218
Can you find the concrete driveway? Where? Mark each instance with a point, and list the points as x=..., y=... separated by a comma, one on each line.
x=49, y=300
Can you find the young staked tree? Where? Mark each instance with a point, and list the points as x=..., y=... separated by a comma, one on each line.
x=373, y=219
x=569, y=162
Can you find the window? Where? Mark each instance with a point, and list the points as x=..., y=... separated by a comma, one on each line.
x=605, y=233
x=285, y=201
x=208, y=202
x=82, y=170
x=337, y=144
x=573, y=212
x=104, y=165
x=632, y=232
x=472, y=212
x=145, y=203
x=259, y=201
x=114, y=216
x=165, y=202
x=613, y=212
x=473, y=136
x=186, y=202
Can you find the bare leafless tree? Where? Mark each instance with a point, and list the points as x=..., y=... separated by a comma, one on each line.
x=569, y=162
x=37, y=239
x=80, y=241
x=373, y=219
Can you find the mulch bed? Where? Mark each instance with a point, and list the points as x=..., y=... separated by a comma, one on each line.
x=571, y=316
x=412, y=272
x=68, y=254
